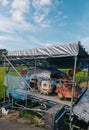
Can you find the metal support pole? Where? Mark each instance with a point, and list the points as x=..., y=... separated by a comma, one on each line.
x=4, y=91
x=87, y=77
x=35, y=64
x=72, y=98
x=35, y=71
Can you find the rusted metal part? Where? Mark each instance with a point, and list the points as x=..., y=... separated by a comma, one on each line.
x=54, y=117
x=81, y=110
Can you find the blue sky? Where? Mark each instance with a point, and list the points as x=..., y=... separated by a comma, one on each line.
x=26, y=24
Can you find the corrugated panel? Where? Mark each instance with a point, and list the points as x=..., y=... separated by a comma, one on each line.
x=82, y=108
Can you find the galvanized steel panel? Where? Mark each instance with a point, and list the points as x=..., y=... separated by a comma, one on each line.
x=82, y=108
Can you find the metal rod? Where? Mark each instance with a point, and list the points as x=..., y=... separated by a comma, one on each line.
x=72, y=98
x=4, y=96
x=74, y=126
x=56, y=121
x=17, y=71
x=31, y=109
x=88, y=77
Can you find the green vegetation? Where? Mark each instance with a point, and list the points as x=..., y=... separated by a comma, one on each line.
x=18, y=68
x=34, y=118
x=2, y=73
x=83, y=75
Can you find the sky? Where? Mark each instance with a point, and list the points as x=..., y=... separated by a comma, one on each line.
x=27, y=24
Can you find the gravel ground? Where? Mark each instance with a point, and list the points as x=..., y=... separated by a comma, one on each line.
x=13, y=125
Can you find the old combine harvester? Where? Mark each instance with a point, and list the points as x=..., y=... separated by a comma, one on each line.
x=50, y=80
x=47, y=84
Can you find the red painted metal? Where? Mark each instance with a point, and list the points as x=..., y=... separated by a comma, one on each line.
x=66, y=90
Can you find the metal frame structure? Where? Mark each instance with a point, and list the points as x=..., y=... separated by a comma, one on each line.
x=32, y=55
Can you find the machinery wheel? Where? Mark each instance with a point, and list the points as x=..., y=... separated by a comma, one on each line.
x=44, y=87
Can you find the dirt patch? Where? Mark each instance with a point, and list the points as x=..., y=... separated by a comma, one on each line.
x=12, y=115
x=13, y=121
x=14, y=125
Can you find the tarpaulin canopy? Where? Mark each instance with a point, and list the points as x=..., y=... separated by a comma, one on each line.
x=57, y=55
x=64, y=50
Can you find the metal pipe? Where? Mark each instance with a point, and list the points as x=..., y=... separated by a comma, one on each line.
x=56, y=121
x=72, y=98
x=88, y=77
x=31, y=109
x=4, y=96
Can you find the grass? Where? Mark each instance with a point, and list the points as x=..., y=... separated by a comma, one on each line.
x=2, y=74
x=83, y=75
x=33, y=117
x=18, y=68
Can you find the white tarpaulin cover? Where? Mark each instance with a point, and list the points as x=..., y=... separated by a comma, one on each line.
x=64, y=50
x=61, y=56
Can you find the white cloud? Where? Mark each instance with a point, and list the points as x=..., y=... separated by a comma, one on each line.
x=39, y=4
x=65, y=17
x=3, y=38
x=2, y=46
x=10, y=38
x=13, y=25
x=45, y=2
x=17, y=16
x=38, y=17
x=11, y=42
x=18, y=9
x=37, y=42
x=41, y=8
x=48, y=44
x=45, y=24
x=5, y=2
x=7, y=25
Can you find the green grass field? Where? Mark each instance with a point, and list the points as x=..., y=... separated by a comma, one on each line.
x=2, y=74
